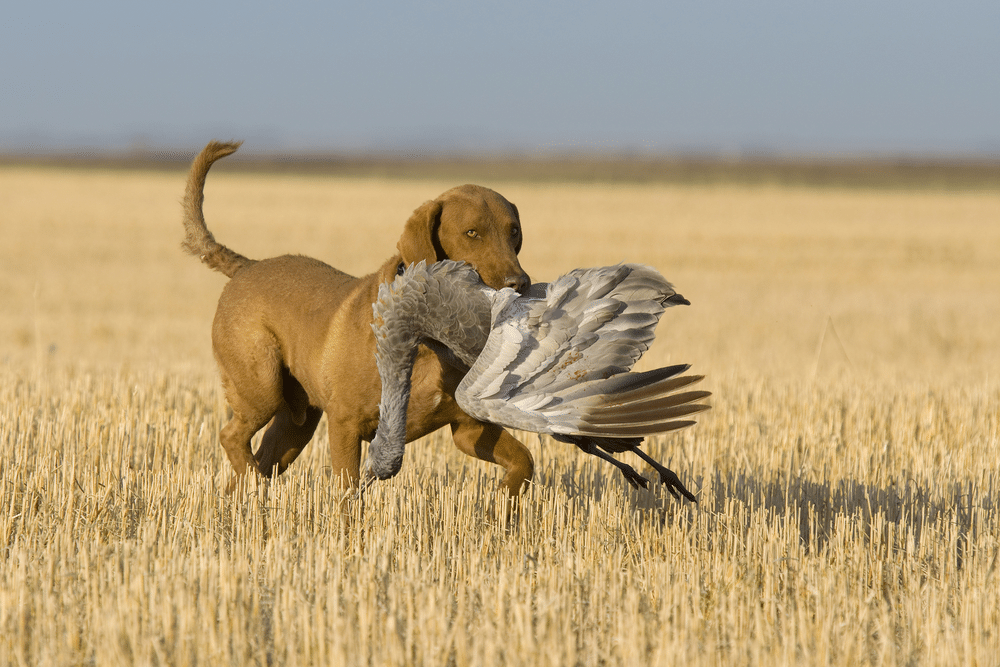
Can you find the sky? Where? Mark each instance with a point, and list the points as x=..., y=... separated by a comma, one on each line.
x=718, y=77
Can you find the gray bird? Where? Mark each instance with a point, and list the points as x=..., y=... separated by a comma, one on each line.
x=556, y=360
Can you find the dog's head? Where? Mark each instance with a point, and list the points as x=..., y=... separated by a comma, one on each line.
x=473, y=224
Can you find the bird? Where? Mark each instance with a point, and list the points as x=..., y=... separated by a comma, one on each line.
x=555, y=360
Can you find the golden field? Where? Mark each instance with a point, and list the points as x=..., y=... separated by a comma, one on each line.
x=848, y=473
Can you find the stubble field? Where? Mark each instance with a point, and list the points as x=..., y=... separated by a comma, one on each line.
x=847, y=475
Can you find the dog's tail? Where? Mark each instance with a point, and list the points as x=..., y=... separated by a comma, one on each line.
x=197, y=239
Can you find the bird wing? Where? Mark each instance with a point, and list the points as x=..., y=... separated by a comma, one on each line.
x=554, y=361
x=558, y=360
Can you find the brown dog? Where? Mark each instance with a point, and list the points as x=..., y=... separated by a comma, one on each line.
x=293, y=338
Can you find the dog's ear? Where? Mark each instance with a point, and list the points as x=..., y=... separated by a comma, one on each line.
x=420, y=236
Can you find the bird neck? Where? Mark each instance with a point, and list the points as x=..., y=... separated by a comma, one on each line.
x=396, y=397
x=386, y=451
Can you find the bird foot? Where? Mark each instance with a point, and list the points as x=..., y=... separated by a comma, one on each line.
x=673, y=483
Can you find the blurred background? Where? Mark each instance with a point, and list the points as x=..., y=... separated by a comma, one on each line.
x=724, y=79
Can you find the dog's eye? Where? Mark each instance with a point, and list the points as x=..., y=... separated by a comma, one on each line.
x=514, y=232
x=472, y=233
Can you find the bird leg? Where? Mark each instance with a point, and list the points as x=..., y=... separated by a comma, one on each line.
x=631, y=476
x=590, y=446
x=667, y=477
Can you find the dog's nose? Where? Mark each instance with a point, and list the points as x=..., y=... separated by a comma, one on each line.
x=520, y=282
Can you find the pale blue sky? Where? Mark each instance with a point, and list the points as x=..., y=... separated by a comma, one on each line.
x=717, y=76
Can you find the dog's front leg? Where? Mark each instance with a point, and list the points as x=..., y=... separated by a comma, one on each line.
x=345, y=452
x=489, y=442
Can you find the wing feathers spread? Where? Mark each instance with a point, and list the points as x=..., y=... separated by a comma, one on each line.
x=647, y=411
x=557, y=360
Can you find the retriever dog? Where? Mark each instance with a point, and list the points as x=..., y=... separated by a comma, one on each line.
x=292, y=337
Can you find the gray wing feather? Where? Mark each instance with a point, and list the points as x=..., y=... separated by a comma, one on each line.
x=559, y=363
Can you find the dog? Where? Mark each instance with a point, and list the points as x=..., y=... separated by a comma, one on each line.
x=293, y=339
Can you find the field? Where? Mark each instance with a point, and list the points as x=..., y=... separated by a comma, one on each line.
x=848, y=474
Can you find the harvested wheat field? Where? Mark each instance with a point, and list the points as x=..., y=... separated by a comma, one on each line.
x=848, y=474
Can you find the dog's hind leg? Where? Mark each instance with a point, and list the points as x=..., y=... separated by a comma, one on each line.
x=253, y=391
x=285, y=439
x=235, y=437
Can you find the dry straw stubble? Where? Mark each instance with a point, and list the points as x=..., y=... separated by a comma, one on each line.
x=847, y=474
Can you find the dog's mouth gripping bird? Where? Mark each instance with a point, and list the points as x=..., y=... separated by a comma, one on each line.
x=556, y=360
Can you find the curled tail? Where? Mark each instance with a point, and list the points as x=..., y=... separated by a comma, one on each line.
x=198, y=241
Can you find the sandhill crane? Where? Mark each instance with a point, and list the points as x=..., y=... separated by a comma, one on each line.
x=556, y=360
